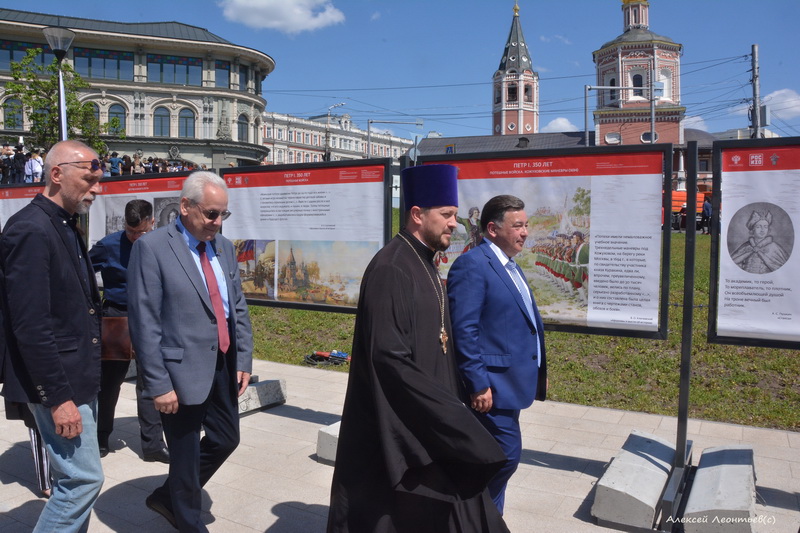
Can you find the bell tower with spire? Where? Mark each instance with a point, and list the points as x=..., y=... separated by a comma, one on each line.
x=638, y=59
x=515, y=98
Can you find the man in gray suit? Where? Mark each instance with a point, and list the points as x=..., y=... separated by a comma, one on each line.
x=191, y=331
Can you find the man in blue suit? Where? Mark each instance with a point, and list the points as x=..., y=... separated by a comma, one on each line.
x=498, y=332
x=191, y=331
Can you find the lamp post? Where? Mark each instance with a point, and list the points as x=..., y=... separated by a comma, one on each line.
x=60, y=40
x=328, y=131
x=370, y=122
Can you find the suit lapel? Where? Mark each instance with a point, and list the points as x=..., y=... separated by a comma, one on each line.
x=505, y=277
x=70, y=241
x=184, y=256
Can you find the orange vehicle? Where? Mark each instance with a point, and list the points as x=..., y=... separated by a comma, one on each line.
x=679, y=200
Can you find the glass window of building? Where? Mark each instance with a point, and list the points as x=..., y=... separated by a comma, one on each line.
x=242, y=128
x=161, y=122
x=12, y=114
x=186, y=123
x=243, y=77
x=222, y=74
x=118, y=112
x=15, y=51
x=103, y=64
x=96, y=111
x=637, y=82
x=511, y=95
x=174, y=69
x=39, y=117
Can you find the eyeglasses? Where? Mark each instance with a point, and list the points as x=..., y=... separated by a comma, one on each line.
x=213, y=214
x=95, y=164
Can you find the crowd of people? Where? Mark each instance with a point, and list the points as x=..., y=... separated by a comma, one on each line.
x=19, y=165
x=430, y=432
x=115, y=165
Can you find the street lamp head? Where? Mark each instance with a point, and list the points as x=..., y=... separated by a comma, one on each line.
x=59, y=39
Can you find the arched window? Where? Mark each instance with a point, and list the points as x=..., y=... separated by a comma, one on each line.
x=512, y=93
x=95, y=111
x=12, y=114
x=161, y=122
x=638, y=82
x=243, y=128
x=118, y=112
x=39, y=117
x=186, y=123
x=666, y=78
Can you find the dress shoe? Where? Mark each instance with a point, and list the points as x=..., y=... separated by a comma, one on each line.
x=103, y=450
x=154, y=504
x=161, y=456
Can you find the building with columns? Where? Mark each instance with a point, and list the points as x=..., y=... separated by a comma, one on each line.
x=293, y=139
x=179, y=91
x=515, y=103
x=637, y=61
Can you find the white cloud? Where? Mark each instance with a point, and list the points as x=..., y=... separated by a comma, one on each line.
x=287, y=16
x=375, y=16
x=695, y=122
x=784, y=103
x=559, y=124
x=561, y=38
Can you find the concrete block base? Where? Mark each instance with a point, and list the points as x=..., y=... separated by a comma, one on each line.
x=628, y=495
x=722, y=498
x=327, y=440
x=261, y=394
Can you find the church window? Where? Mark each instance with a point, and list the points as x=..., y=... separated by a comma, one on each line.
x=528, y=92
x=646, y=138
x=638, y=82
x=612, y=94
x=497, y=96
x=512, y=93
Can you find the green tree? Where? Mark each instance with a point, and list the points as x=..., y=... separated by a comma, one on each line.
x=35, y=87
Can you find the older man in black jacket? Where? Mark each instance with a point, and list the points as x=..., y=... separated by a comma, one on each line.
x=52, y=313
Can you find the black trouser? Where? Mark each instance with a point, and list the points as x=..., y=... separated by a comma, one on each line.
x=194, y=460
x=112, y=374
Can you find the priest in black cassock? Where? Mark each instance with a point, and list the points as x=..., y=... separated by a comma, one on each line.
x=411, y=457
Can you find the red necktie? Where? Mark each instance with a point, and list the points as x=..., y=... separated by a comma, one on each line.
x=216, y=299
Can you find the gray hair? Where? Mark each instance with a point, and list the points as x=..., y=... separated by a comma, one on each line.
x=195, y=185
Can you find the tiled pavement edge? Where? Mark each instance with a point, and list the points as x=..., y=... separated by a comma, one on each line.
x=272, y=483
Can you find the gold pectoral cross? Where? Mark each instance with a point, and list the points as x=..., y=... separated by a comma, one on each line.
x=443, y=340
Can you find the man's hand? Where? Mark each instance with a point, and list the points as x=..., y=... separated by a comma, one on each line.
x=482, y=400
x=242, y=378
x=67, y=419
x=166, y=403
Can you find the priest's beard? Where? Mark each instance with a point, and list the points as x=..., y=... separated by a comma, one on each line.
x=439, y=242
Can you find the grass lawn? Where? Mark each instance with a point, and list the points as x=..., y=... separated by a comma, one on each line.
x=738, y=384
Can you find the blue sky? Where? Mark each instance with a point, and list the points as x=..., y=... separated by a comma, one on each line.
x=405, y=60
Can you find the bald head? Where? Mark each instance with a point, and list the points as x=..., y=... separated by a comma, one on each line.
x=72, y=176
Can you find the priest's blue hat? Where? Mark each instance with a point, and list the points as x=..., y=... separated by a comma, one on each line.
x=430, y=185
